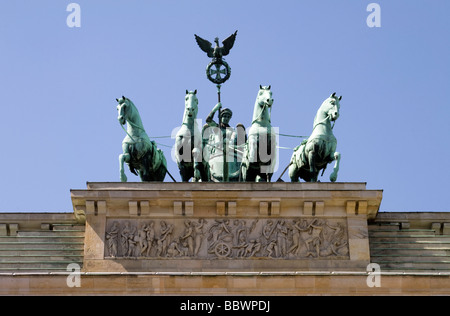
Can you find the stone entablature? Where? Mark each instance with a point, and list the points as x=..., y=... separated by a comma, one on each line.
x=226, y=226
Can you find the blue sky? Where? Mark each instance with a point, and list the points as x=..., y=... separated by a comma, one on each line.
x=59, y=85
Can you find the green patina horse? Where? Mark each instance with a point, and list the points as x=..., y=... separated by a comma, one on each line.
x=188, y=143
x=139, y=152
x=314, y=153
x=259, y=159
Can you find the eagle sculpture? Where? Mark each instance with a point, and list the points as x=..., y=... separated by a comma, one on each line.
x=216, y=52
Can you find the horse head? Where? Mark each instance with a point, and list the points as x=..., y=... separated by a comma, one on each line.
x=123, y=109
x=331, y=107
x=190, y=106
x=263, y=104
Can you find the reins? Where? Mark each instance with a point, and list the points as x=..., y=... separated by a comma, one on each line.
x=324, y=120
x=261, y=113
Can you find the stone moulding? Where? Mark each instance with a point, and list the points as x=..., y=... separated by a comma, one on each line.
x=226, y=226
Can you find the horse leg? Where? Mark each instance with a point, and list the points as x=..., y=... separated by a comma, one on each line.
x=333, y=175
x=263, y=177
x=252, y=148
x=293, y=168
x=125, y=157
x=250, y=174
x=312, y=167
x=293, y=173
x=162, y=168
x=184, y=172
x=199, y=172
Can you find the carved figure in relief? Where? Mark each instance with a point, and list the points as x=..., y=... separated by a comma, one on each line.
x=124, y=237
x=268, y=229
x=220, y=239
x=313, y=238
x=150, y=236
x=142, y=238
x=164, y=240
x=188, y=237
x=199, y=234
x=218, y=231
x=112, y=238
x=295, y=237
x=252, y=247
x=337, y=241
x=174, y=249
x=272, y=248
x=281, y=233
x=132, y=241
x=241, y=247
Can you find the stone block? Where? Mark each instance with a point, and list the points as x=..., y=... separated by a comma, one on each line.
x=362, y=207
x=308, y=208
x=101, y=207
x=45, y=226
x=90, y=208
x=436, y=227
x=264, y=208
x=3, y=230
x=133, y=208
x=177, y=208
x=145, y=208
x=275, y=208
x=220, y=208
x=13, y=228
x=188, y=208
x=446, y=228
x=359, y=249
x=232, y=208
x=405, y=225
x=351, y=207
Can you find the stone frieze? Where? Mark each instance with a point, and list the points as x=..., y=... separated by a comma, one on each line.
x=219, y=238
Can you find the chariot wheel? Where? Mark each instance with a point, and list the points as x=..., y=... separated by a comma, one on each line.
x=222, y=250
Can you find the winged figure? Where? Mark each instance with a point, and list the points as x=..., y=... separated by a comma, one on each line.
x=218, y=51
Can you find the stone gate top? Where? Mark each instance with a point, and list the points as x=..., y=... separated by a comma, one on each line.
x=225, y=227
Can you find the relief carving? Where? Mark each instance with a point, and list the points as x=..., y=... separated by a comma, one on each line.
x=298, y=238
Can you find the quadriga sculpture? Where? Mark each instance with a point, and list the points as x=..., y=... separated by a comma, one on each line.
x=314, y=153
x=260, y=151
x=139, y=152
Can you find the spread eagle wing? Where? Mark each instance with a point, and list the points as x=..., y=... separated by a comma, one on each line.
x=205, y=46
x=228, y=43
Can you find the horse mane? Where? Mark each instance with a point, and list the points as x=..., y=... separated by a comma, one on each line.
x=135, y=111
x=327, y=101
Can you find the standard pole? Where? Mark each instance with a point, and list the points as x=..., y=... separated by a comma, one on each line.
x=224, y=140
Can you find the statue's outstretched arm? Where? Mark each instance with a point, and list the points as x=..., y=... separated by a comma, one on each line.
x=209, y=119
